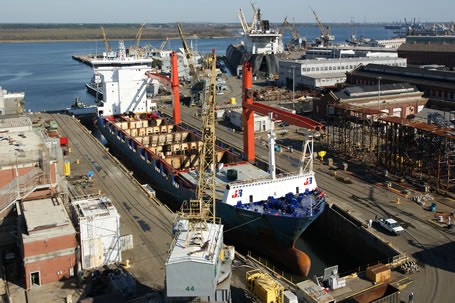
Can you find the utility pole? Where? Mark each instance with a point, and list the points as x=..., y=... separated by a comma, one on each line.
x=379, y=115
x=379, y=93
x=293, y=85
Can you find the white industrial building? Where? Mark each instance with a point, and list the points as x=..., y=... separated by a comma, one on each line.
x=261, y=123
x=99, y=231
x=326, y=73
x=199, y=264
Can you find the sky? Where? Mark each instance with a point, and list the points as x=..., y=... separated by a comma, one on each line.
x=224, y=11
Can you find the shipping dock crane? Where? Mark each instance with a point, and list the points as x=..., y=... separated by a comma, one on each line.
x=107, y=47
x=199, y=264
x=201, y=211
x=326, y=38
x=139, y=35
x=296, y=42
x=198, y=86
x=204, y=204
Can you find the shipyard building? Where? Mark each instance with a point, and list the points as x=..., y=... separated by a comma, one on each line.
x=99, y=232
x=399, y=100
x=436, y=85
x=31, y=167
x=326, y=73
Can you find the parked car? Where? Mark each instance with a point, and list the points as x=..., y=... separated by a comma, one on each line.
x=391, y=225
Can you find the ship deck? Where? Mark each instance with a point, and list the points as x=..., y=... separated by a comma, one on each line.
x=245, y=171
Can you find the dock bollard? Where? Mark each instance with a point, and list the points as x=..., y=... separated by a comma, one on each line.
x=77, y=161
x=398, y=200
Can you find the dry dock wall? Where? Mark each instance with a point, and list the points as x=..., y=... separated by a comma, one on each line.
x=348, y=234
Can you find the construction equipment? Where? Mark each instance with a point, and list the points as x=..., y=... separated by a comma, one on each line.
x=296, y=42
x=264, y=288
x=202, y=209
x=106, y=43
x=326, y=38
x=198, y=86
x=139, y=35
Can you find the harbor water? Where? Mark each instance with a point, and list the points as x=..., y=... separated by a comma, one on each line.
x=52, y=80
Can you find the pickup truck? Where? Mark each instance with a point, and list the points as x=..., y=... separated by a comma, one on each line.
x=391, y=225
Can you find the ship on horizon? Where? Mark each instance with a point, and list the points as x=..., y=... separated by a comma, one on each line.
x=263, y=211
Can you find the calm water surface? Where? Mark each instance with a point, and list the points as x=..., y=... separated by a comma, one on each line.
x=51, y=79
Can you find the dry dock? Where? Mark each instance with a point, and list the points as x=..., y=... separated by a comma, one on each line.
x=426, y=241
x=149, y=222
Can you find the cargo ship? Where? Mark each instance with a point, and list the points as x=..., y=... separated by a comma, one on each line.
x=261, y=46
x=263, y=211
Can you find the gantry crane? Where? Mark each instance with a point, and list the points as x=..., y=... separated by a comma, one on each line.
x=197, y=86
x=326, y=39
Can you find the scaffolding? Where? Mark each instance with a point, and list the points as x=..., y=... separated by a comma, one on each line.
x=420, y=152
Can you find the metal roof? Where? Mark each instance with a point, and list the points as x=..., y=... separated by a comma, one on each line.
x=45, y=218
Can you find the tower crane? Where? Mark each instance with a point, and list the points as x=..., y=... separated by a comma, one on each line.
x=197, y=86
x=202, y=209
x=326, y=38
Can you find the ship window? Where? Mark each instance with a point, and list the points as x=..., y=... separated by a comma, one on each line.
x=251, y=198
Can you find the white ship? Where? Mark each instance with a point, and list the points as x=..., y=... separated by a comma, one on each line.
x=261, y=45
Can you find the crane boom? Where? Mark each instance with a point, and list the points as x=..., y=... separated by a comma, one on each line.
x=325, y=30
x=106, y=43
x=243, y=23
x=139, y=35
x=188, y=55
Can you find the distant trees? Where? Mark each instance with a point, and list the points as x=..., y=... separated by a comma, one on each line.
x=43, y=32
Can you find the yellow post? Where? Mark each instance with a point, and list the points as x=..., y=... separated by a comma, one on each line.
x=398, y=200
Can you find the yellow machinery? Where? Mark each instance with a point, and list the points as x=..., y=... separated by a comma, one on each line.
x=264, y=287
x=67, y=168
x=326, y=37
x=138, y=36
x=106, y=43
x=198, y=86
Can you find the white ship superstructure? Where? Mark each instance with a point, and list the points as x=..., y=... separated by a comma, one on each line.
x=260, y=39
x=124, y=86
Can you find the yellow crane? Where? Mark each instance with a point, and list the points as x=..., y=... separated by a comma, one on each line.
x=139, y=35
x=325, y=31
x=106, y=43
x=198, y=86
x=201, y=210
